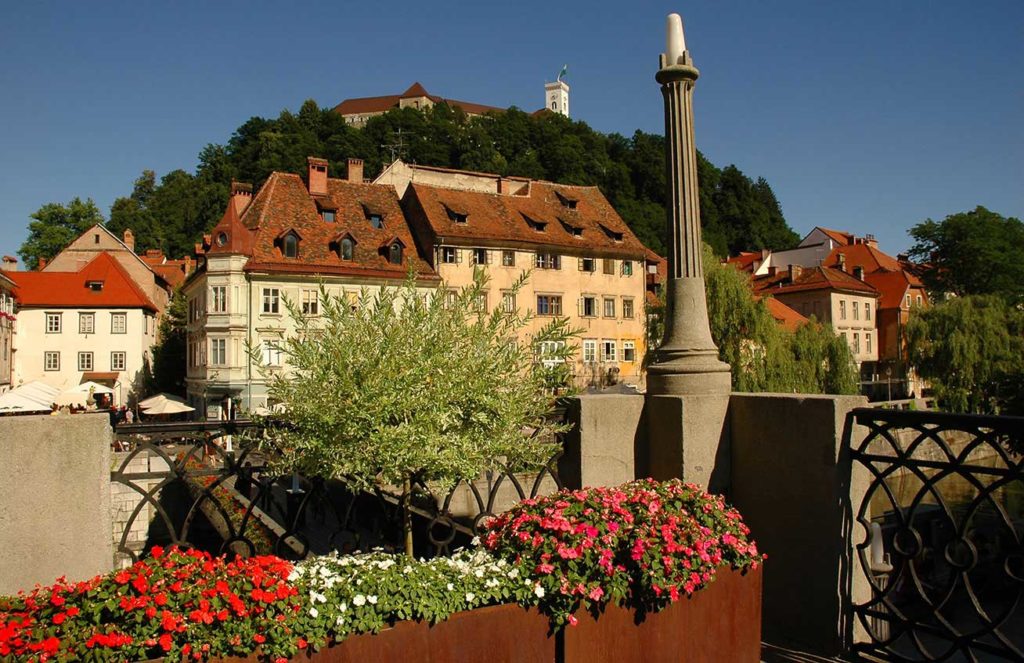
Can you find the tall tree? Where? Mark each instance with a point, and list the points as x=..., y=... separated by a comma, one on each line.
x=971, y=253
x=971, y=350
x=169, y=360
x=54, y=226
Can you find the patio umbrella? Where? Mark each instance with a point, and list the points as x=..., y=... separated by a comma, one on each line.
x=167, y=406
x=32, y=396
x=79, y=394
x=159, y=398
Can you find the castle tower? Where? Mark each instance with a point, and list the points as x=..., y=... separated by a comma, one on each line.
x=556, y=95
x=687, y=361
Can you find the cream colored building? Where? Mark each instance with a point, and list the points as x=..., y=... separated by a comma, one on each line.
x=6, y=331
x=585, y=263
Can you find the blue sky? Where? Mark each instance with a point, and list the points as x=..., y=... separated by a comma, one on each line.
x=867, y=117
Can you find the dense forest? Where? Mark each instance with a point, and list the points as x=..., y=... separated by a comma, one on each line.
x=173, y=212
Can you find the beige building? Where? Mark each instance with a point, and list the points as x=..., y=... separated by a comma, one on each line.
x=358, y=110
x=279, y=246
x=585, y=262
x=92, y=324
x=6, y=331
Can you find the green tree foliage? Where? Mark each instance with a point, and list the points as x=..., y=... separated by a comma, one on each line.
x=763, y=356
x=169, y=359
x=971, y=350
x=971, y=253
x=54, y=226
x=737, y=213
x=411, y=386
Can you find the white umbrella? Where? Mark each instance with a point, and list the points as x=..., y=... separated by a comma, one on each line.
x=160, y=398
x=168, y=407
x=88, y=385
x=32, y=396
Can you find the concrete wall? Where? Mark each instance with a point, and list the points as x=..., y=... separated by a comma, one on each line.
x=55, y=503
x=793, y=481
x=124, y=499
x=608, y=443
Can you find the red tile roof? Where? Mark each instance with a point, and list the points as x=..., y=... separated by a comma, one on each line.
x=861, y=255
x=881, y=271
x=892, y=285
x=788, y=318
x=385, y=103
x=837, y=235
x=494, y=219
x=812, y=278
x=70, y=289
x=745, y=261
x=284, y=204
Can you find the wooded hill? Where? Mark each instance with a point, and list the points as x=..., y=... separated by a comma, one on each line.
x=737, y=213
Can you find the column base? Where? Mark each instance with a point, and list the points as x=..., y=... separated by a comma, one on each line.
x=688, y=372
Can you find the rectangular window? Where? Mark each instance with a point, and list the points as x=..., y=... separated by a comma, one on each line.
x=549, y=305
x=508, y=302
x=856, y=343
x=856, y=310
x=218, y=352
x=867, y=342
x=628, y=351
x=481, y=257
x=53, y=323
x=588, y=307
x=508, y=258
x=627, y=268
x=908, y=300
x=842, y=309
x=85, y=361
x=547, y=351
x=627, y=308
x=118, y=323
x=589, y=350
x=328, y=215
x=117, y=361
x=449, y=255
x=451, y=297
x=588, y=265
x=271, y=353
x=310, y=302
x=549, y=261
x=271, y=300
x=219, y=299
x=86, y=323
x=867, y=310
x=608, y=351
x=918, y=300
x=609, y=307
x=609, y=265
x=51, y=361
x=480, y=305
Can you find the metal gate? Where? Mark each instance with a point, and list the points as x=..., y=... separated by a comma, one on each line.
x=944, y=514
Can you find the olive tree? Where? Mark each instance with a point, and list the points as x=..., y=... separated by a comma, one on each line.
x=406, y=385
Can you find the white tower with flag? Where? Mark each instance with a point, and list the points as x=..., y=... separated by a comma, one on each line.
x=556, y=94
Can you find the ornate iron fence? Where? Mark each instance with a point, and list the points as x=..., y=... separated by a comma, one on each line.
x=944, y=513
x=204, y=484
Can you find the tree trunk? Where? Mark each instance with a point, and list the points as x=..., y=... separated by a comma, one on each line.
x=407, y=516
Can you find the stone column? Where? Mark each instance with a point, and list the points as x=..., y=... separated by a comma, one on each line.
x=687, y=361
x=688, y=387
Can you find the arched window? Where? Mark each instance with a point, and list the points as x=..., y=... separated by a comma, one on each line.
x=347, y=247
x=395, y=254
x=291, y=246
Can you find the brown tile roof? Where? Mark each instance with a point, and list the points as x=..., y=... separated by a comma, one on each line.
x=892, y=285
x=384, y=103
x=788, y=318
x=230, y=235
x=283, y=204
x=513, y=220
x=71, y=289
x=837, y=235
x=745, y=261
x=881, y=271
x=861, y=255
x=812, y=278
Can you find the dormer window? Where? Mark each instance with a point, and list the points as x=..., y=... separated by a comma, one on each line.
x=536, y=226
x=288, y=243
x=457, y=216
x=375, y=217
x=395, y=253
x=328, y=215
x=614, y=235
x=344, y=246
x=567, y=202
x=575, y=231
x=222, y=238
x=95, y=286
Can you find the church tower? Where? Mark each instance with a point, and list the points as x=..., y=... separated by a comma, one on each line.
x=556, y=95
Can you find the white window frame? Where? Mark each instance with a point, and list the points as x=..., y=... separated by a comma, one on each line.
x=49, y=365
x=627, y=268
x=218, y=351
x=86, y=323
x=627, y=307
x=271, y=301
x=118, y=365
x=508, y=258
x=842, y=309
x=54, y=323
x=271, y=353
x=480, y=257
x=508, y=301
x=450, y=255
x=86, y=361
x=608, y=352
x=588, y=265
x=867, y=310
x=218, y=299
x=629, y=351
x=123, y=317
x=590, y=351
x=310, y=301
x=592, y=301
x=548, y=348
x=608, y=302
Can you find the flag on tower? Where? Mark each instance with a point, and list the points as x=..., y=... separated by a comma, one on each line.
x=564, y=72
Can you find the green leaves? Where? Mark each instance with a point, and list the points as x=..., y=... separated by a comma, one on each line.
x=54, y=226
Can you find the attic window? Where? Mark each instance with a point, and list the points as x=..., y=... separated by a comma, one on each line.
x=535, y=225
x=328, y=215
x=222, y=238
x=612, y=234
x=395, y=253
x=567, y=202
x=96, y=238
x=288, y=243
x=95, y=286
x=346, y=248
x=375, y=217
x=457, y=216
x=575, y=231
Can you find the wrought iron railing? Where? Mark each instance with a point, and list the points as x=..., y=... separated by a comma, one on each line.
x=205, y=484
x=944, y=552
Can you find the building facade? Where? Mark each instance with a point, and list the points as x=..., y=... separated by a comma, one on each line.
x=92, y=324
x=6, y=332
x=359, y=110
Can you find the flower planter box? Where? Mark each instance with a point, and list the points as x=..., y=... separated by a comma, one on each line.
x=721, y=622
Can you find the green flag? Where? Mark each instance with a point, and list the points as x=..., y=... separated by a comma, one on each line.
x=562, y=74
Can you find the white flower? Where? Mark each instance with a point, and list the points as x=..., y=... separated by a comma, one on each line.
x=470, y=596
x=314, y=613
x=539, y=591
x=342, y=607
x=514, y=573
x=450, y=587
x=479, y=573
x=359, y=600
x=475, y=541
x=372, y=599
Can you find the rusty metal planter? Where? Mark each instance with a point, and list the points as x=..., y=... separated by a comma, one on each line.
x=722, y=622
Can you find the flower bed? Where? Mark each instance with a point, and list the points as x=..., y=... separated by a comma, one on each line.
x=643, y=546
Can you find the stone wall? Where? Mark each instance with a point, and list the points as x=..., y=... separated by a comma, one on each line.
x=55, y=502
x=124, y=499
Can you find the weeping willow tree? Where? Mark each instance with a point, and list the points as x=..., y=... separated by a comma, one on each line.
x=765, y=357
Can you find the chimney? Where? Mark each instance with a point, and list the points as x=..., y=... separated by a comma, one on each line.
x=794, y=273
x=773, y=271
x=317, y=176
x=504, y=187
x=241, y=196
x=355, y=171
x=871, y=241
x=9, y=264
x=842, y=262
x=42, y=264
x=129, y=239
x=765, y=253
x=858, y=272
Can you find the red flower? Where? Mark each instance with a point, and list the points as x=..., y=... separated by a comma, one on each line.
x=259, y=638
x=165, y=642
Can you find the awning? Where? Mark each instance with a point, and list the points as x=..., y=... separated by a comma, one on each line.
x=101, y=376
